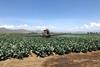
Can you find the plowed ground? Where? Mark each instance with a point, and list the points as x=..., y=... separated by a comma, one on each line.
x=89, y=59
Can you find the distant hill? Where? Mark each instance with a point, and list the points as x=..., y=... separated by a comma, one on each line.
x=4, y=30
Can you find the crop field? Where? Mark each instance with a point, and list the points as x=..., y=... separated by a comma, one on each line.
x=21, y=45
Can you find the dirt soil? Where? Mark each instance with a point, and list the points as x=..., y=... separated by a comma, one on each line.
x=90, y=59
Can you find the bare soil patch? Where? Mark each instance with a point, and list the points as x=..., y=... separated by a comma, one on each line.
x=89, y=59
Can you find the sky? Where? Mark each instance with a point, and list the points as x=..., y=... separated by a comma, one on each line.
x=56, y=15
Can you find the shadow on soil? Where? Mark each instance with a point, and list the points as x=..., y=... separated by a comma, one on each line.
x=59, y=62
x=73, y=61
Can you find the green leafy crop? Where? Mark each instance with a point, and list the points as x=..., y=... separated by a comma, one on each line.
x=19, y=46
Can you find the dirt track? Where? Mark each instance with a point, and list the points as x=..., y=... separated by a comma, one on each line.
x=90, y=59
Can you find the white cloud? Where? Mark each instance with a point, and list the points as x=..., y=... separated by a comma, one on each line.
x=7, y=26
x=92, y=26
x=28, y=27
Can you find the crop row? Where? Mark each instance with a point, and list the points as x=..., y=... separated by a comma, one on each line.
x=19, y=47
